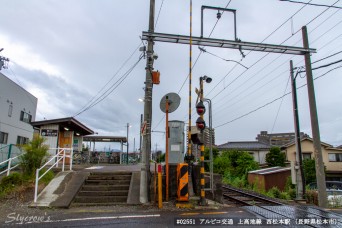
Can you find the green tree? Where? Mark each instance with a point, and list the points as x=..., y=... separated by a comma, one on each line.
x=35, y=153
x=309, y=167
x=275, y=157
x=221, y=164
x=207, y=156
x=235, y=163
x=161, y=158
x=246, y=163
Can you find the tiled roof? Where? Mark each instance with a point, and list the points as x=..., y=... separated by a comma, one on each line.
x=293, y=142
x=244, y=145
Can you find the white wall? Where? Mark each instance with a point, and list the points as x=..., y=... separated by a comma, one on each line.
x=51, y=141
x=11, y=93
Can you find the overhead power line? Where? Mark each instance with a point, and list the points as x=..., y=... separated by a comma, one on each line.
x=193, y=66
x=271, y=102
x=327, y=57
x=274, y=31
x=110, y=89
x=320, y=14
x=105, y=85
x=311, y=4
x=161, y=6
x=324, y=66
x=327, y=65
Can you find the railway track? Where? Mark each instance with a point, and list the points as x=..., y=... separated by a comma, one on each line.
x=242, y=198
x=271, y=210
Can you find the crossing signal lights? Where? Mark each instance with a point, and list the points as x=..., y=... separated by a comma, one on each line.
x=200, y=124
x=200, y=108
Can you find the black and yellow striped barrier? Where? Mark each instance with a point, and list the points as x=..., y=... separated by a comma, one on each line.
x=182, y=180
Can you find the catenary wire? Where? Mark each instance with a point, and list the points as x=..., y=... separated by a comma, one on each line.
x=311, y=4
x=274, y=31
x=268, y=103
x=161, y=6
x=326, y=57
x=227, y=106
x=269, y=53
x=199, y=55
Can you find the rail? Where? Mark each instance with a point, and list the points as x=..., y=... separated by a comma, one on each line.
x=246, y=198
x=9, y=163
x=60, y=155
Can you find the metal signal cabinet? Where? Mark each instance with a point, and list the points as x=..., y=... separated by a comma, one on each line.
x=182, y=182
x=176, y=141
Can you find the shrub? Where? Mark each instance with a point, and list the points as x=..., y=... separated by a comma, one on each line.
x=275, y=192
x=292, y=193
x=35, y=154
x=288, y=184
x=239, y=182
x=9, y=182
x=47, y=177
x=284, y=195
x=311, y=197
x=12, y=179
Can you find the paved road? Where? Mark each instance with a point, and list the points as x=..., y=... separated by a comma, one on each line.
x=107, y=218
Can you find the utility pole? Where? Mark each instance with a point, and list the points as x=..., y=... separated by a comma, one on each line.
x=141, y=124
x=127, y=144
x=300, y=180
x=320, y=175
x=145, y=165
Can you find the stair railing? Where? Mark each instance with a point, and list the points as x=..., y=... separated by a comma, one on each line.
x=60, y=155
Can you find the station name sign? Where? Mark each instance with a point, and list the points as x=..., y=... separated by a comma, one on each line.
x=49, y=132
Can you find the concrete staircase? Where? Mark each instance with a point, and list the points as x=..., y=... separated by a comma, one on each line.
x=104, y=189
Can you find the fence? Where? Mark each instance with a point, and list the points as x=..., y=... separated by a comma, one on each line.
x=54, y=160
x=9, y=158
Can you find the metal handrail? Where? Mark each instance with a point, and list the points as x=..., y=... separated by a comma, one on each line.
x=59, y=156
x=9, y=168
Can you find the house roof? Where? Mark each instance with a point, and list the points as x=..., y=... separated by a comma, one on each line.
x=244, y=145
x=95, y=138
x=271, y=170
x=293, y=142
x=71, y=123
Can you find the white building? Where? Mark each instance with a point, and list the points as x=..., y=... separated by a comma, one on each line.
x=17, y=110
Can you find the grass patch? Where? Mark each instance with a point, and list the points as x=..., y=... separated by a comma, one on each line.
x=17, y=184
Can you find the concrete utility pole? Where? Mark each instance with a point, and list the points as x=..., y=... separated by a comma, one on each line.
x=300, y=180
x=145, y=161
x=320, y=175
x=140, y=141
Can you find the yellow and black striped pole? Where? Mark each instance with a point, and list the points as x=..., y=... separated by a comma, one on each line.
x=190, y=78
x=202, y=201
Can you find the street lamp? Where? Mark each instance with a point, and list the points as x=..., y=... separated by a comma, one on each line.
x=206, y=79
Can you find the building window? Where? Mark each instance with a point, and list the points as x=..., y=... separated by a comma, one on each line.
x=25, y=117
x=3, y=137
x=335, y=157
x=22, y=140
x=10, y=110
x=306, y=156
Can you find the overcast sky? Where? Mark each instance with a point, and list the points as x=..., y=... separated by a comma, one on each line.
x=68, y=52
